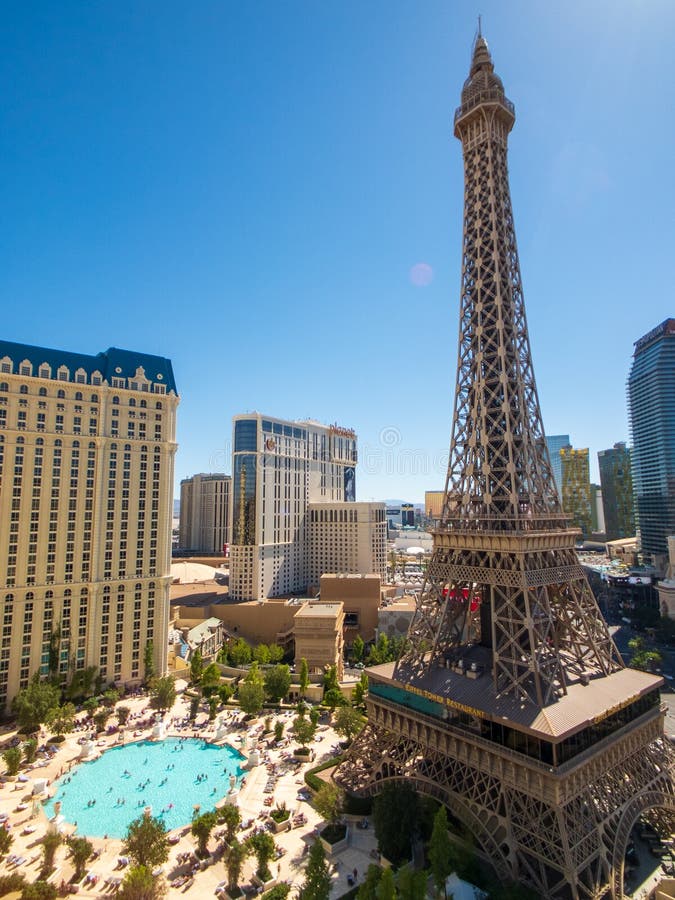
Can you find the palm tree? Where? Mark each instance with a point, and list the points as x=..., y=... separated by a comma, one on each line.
x=50, y=843
x=234, y=861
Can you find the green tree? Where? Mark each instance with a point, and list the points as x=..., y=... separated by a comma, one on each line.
x=229, y=816
x=279, y=892
x=9, y=883
x=110, y=698
x=39, y=890
x=261, y=654
x=396, y=816
x=276, y=653
x=30, y=750
x=240, y=653
x=80, y=851
x=140, y=884
x=316, y=885
x=348, y=722
x=101, y=718
x=380, y=651
x=251, y=697
x=262, y=846
x=6, y=841
x=194, y=708
x=82, y=684
x=277, y=682
x=359, y=692
x=122, y=713
x=196, y=667
x=368, y=889
x=12, y=757
x=62, y=718
x=225, y=691
x=214, y=703
x=302, y=730
x=304, y=676
x=163, y=693
x=90, y=706
x=278, y=730
x=210, y=679
x=149, y=670
x=440, y=850
x=252, y=691
x=334, y=697
x=357, y=649
x=329, y=801
x=146, y=842
x=330, y=679
x=50, y=843
x=386, y=889
x=234, y=862
x=32, y=705
x=201, y=829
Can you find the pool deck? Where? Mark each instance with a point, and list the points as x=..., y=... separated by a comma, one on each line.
x=28, y=827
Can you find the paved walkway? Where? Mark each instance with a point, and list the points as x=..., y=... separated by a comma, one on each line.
x=28, y=822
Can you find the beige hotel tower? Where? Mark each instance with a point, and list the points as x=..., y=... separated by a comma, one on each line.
x=87, y=446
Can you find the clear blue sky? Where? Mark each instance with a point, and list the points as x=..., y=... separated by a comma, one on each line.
x=245, y=187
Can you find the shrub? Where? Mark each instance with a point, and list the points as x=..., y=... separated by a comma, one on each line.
x=280, y=814
x=9, y=883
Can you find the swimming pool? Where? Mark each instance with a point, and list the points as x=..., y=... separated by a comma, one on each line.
x=171, y=776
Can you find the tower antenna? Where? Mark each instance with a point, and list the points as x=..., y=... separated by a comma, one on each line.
x=480, y=32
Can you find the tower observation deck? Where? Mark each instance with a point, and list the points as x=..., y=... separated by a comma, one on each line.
x=511, y=703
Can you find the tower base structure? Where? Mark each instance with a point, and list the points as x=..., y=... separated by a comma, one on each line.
x=550, y=796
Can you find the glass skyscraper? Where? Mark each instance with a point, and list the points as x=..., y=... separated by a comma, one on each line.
x=555, y=443
x=651, y=396
x=617, y=491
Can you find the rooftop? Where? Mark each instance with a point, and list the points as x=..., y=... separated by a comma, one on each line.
x=320, y=610
x=583, y=705
x=110, y=363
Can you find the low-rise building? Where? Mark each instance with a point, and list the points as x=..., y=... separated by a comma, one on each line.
x=318, y=629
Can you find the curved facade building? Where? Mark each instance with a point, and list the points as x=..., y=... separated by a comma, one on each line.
x=651, y=396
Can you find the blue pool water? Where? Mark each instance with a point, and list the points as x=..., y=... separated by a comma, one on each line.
x=160, y=774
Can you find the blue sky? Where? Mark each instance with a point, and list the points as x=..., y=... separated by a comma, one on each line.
x=246, y=188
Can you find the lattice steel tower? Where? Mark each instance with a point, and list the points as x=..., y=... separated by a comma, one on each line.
x=512, y=704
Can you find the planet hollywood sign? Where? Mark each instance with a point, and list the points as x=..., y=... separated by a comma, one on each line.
x=338, y=431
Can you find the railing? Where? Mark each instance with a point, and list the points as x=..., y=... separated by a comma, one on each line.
x=497, y=749
x=490, y=96
x=500, y=524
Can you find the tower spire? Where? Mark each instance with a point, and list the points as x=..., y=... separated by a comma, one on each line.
x=511, y=704
x=519, y=592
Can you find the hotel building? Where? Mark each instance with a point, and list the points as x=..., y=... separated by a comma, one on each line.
x=651, y=398
x=280, y=471
x=205, y=513
x=87, y=447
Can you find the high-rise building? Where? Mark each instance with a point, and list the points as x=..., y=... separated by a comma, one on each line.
x=617, y=491
x=347, y=538
x=576, y=487
x=205, y=513
x=555, y=443
x=278, y=469
x=433, y=505
x=510, y=703
x=651, y=397
x=87, y=444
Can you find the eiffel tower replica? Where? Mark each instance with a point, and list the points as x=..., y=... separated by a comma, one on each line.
x=511, y=704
